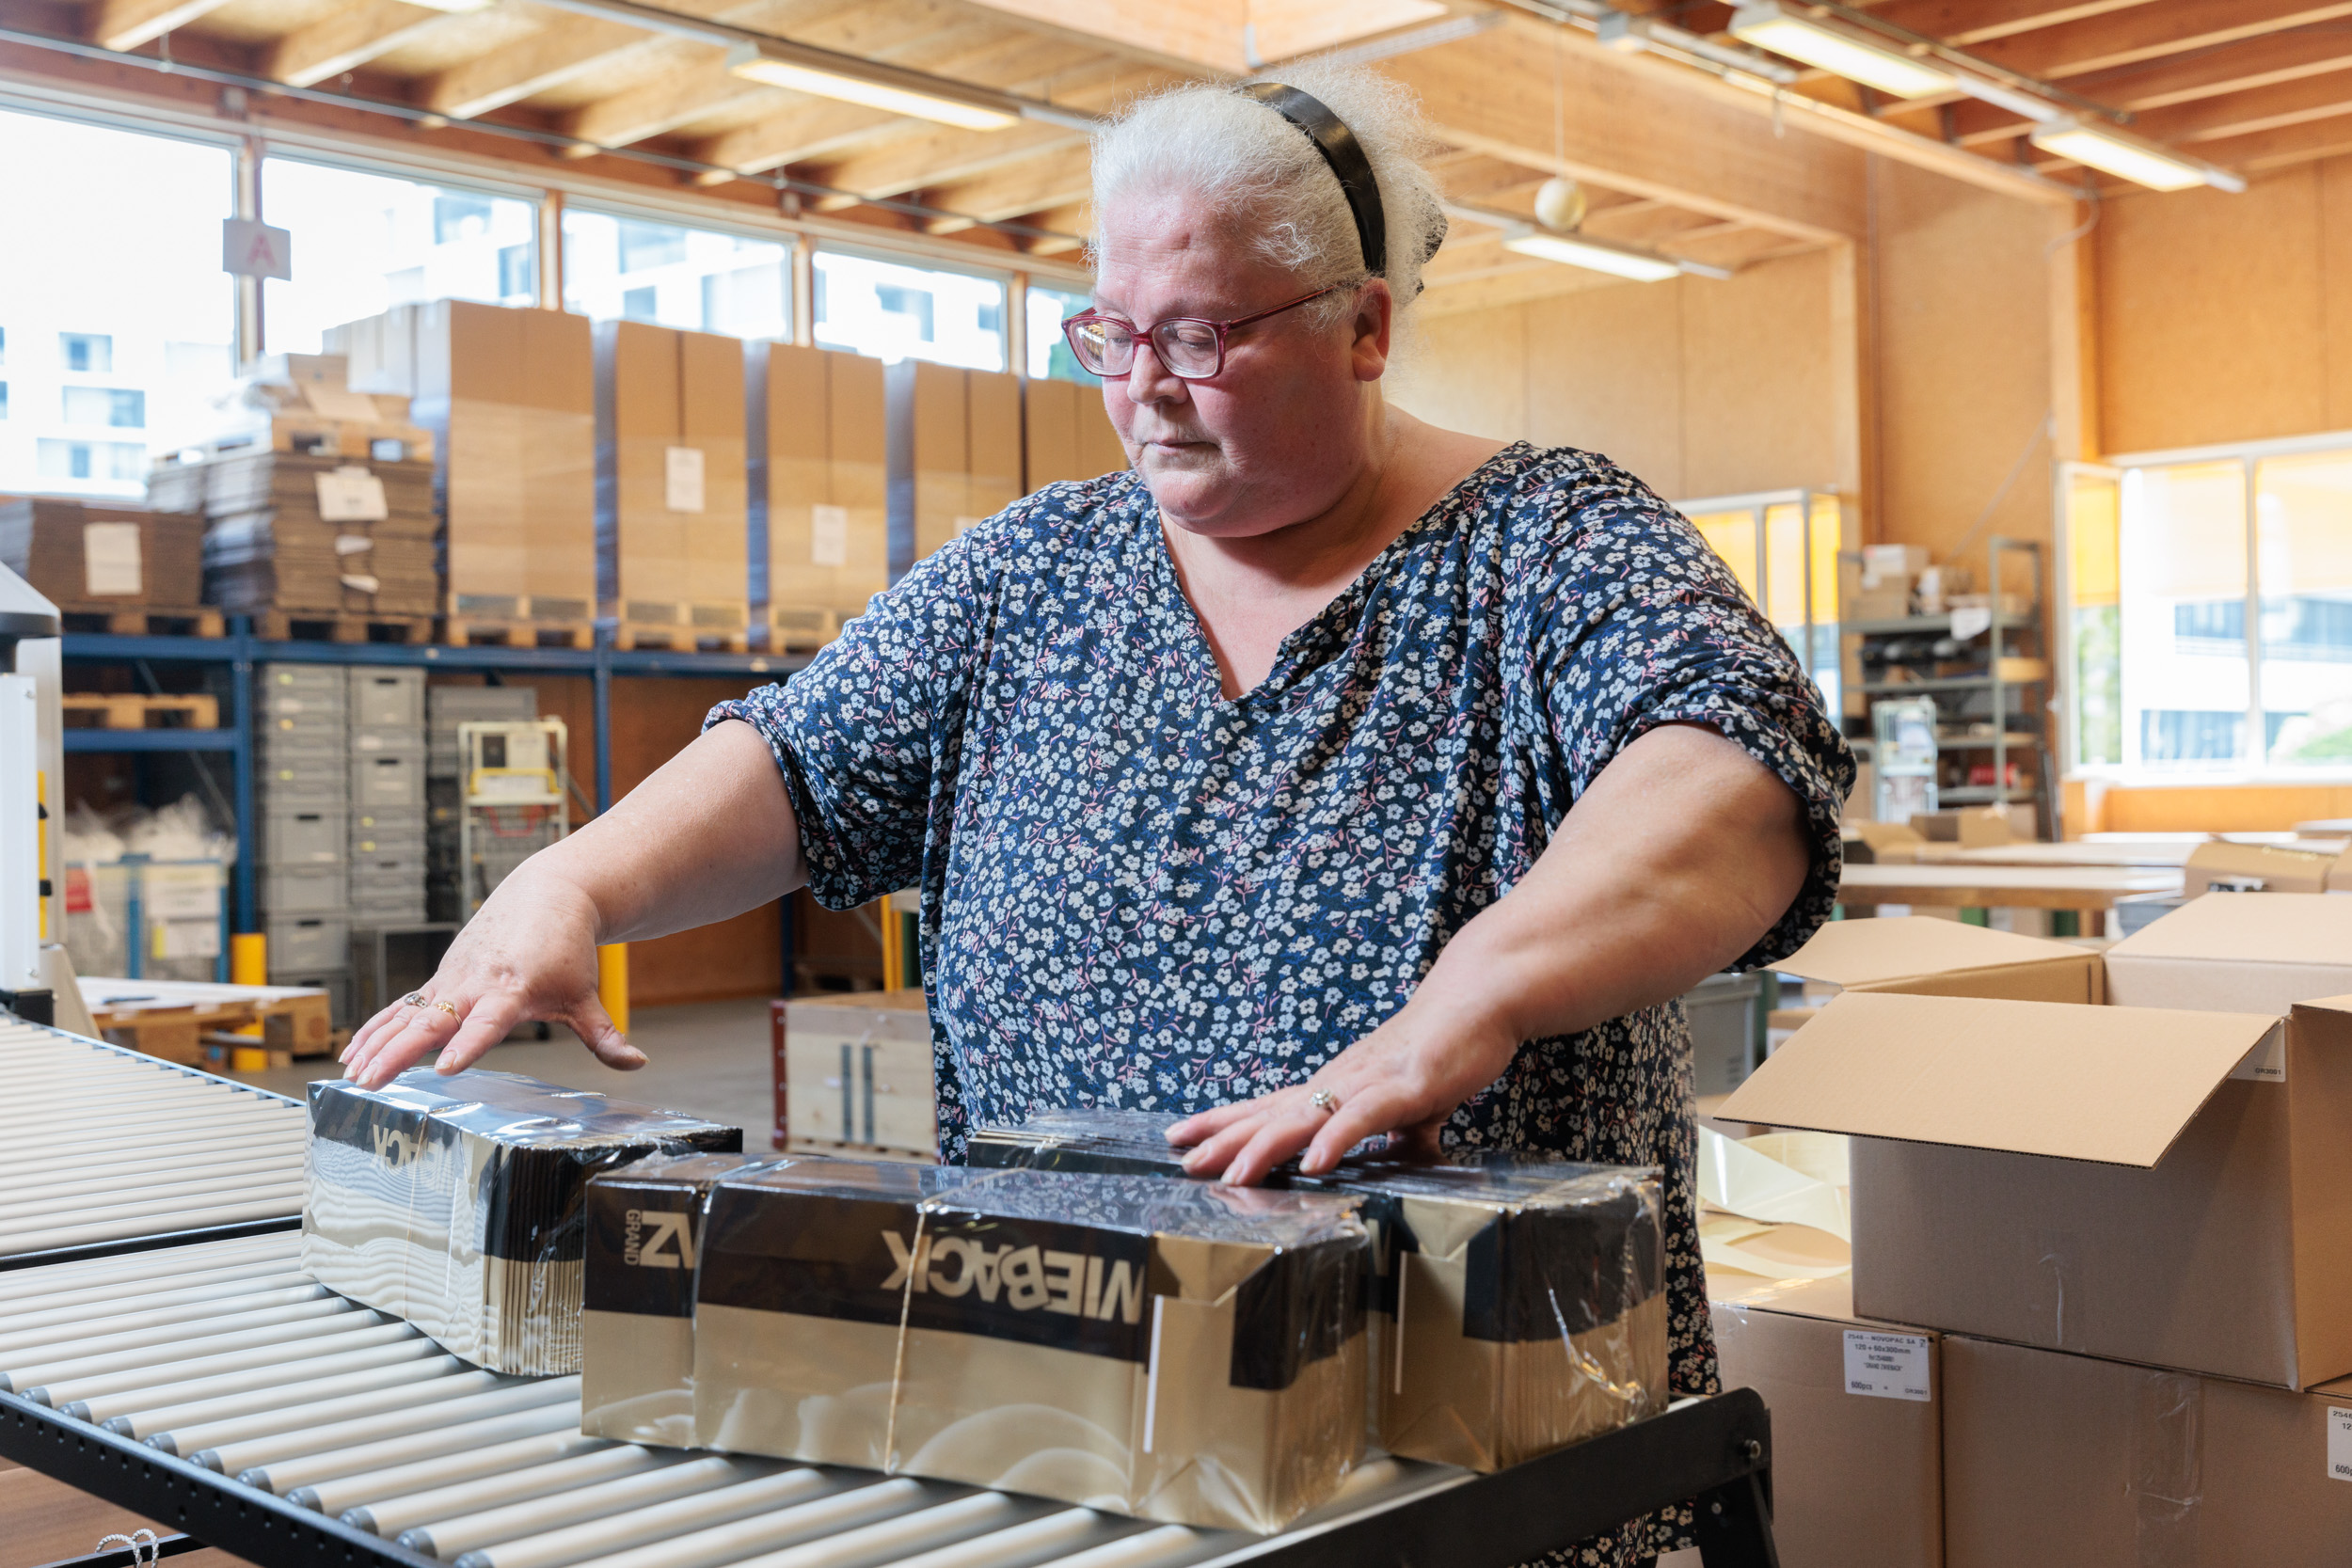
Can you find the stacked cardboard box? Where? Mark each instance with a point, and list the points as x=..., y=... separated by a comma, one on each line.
x=85, y=557
x=955, y=452
x=817, y=486
x=302, y=769
x=320, y=503
x=2113, y=1185
x=387, y=810
x=449, y=706
x=509, y=398
x=1066, y=433
x=672, y=539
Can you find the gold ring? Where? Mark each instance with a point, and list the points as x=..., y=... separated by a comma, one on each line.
x=415, y=999
x=447, y=1008
x=1323, y=1100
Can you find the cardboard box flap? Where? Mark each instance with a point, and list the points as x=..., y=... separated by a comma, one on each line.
x=1862, y=952
x=2001, y=1075
x=2249, y=927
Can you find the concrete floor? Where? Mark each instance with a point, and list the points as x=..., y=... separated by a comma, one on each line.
x=709, y=1060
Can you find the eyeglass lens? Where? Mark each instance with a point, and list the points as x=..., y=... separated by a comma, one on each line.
x=1185, y=347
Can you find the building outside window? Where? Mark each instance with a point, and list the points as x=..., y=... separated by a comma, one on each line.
x=114, y=305
x=2211, y=612
x=1049, y=351
x=890, y=310
x=363, y=242
x=696, y=280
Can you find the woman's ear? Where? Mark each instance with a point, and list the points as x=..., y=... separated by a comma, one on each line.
x=1370, y=326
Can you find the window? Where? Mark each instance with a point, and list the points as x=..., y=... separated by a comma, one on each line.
x=698, y=279
x=1783, y=548
x=113, y=461
x=889, y=311
x=2210, y=613
x=88, y=351
x=363, y=242
x=106, y=405
x=4, y=400
x=118, y=284
x=1049, y=352
x=4, y=346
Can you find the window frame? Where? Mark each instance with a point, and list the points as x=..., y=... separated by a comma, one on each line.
x=2132, y=771
x=793, y=242
x=1013, y=282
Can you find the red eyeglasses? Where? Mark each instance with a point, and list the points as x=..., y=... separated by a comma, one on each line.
x=1191, y=347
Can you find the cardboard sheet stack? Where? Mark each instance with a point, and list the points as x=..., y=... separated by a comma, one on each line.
x=457, y=1203
x=2100, y=1249
x=1067, y=434
x=510, y=397
x=955, y=454
x=86, y=557
x=815, y=421
x=674, y=553
x=1517, y=1302
x=1176, y=1351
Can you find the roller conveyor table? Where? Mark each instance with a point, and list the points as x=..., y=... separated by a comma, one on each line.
x=215, y=1387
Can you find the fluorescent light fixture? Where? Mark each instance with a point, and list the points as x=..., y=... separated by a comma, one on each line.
x=457, y=8
x=1594, y=256
x=1772, y=26
x=2128, y=157
x=822, y=74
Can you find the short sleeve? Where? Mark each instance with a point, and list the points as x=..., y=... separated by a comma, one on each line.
x=1639, y=623
x=865, y=734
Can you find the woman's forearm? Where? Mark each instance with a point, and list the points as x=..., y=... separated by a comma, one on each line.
x=709, y=835
x=1680, y=855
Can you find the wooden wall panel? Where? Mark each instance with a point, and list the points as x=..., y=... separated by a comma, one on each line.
x=2213, y=309
x=2217, y=809
x=1963, y=382
x=1467, y=371
x=2335, y=271
x=1758, y=400
x=1604, y=374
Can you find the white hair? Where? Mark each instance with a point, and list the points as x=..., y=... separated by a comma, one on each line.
x=1269, y=179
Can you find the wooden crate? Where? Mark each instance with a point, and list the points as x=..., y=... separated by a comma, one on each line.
x=280, y=625
x=110, y=710
x=292, y=1019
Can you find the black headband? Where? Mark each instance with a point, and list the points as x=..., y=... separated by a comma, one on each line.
x=1345, y=154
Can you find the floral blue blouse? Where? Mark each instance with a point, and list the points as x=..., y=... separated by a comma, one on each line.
x=1137, y=893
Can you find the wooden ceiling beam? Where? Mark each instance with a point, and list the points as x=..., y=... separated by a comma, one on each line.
x=939, y=155
x=1068, y=224
x=128, y=24
x=699, y=87
x=2258, y=63
x=566, y=47
x=2292, y=144
x=1058, y=178
x=346, y=40
x=2243, y=114
x=2152, y=32
x=795, y=129
x=1964, y=23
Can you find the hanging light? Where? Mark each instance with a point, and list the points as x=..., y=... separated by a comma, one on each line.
x=1773, y=26
x=1560, y=205
x=2129, y=157
x=779, y=63
x=1575, y=250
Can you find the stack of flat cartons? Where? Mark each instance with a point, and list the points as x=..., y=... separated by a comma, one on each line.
x=1067, y=434
x=319, y=508
x=955, y=451
x=124, y=563
x=672, y=542
x=302, y=775
x=509, y=398
x=388, y=834
x=2114, y=1186
x=817, y=487
x=449, y=706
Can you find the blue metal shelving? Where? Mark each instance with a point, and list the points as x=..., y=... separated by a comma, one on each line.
x=240, y=651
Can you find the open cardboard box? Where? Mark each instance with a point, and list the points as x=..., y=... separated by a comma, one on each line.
x=2137, y=1179
x=2222, y=867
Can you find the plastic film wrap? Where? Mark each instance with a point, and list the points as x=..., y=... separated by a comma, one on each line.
x=1185, y=1352
x=1518, y=1302
x=457, y=1203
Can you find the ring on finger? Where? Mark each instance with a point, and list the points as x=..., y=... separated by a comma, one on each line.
x=1323, y=1100
x=445, y=1007
x=416, y=999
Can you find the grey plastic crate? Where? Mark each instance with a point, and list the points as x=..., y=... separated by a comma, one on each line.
x=388, y=699
x=329, y=679
x=392, y=779
x=304, y=837
x=336, y=983
x=307, y=941
x=404, y=847
x=452, y=705
x=1725, y=1029
x=392, y=821
x=377, y=871
x=390, y=958
x=303, y=892
x=305, y=731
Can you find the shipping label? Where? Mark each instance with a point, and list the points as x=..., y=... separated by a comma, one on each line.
x=2339, y=1443
x=1887, y=1365
x=829, y=536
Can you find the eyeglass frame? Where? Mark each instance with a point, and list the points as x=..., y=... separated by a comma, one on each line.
x=1145, y=336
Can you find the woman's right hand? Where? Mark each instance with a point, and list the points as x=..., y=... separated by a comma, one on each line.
x=528, y=955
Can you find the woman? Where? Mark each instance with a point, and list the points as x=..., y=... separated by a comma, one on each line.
x=1329, y=774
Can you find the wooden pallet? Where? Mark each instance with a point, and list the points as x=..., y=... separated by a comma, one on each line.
x=800, y=630
x=242, y=1054
x=144, y=621
x=630, y=635
x=330, y=626
x=109, y=710
x=476, y=632
x=292, y=1019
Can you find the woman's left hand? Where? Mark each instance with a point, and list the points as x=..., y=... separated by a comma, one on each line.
x=1405, y=1078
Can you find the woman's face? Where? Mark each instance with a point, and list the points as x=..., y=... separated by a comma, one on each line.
x=1279, y=434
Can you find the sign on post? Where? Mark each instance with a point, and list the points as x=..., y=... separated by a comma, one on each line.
x=251, y=248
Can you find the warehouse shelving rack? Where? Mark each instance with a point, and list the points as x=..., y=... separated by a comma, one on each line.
x=240, y=650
